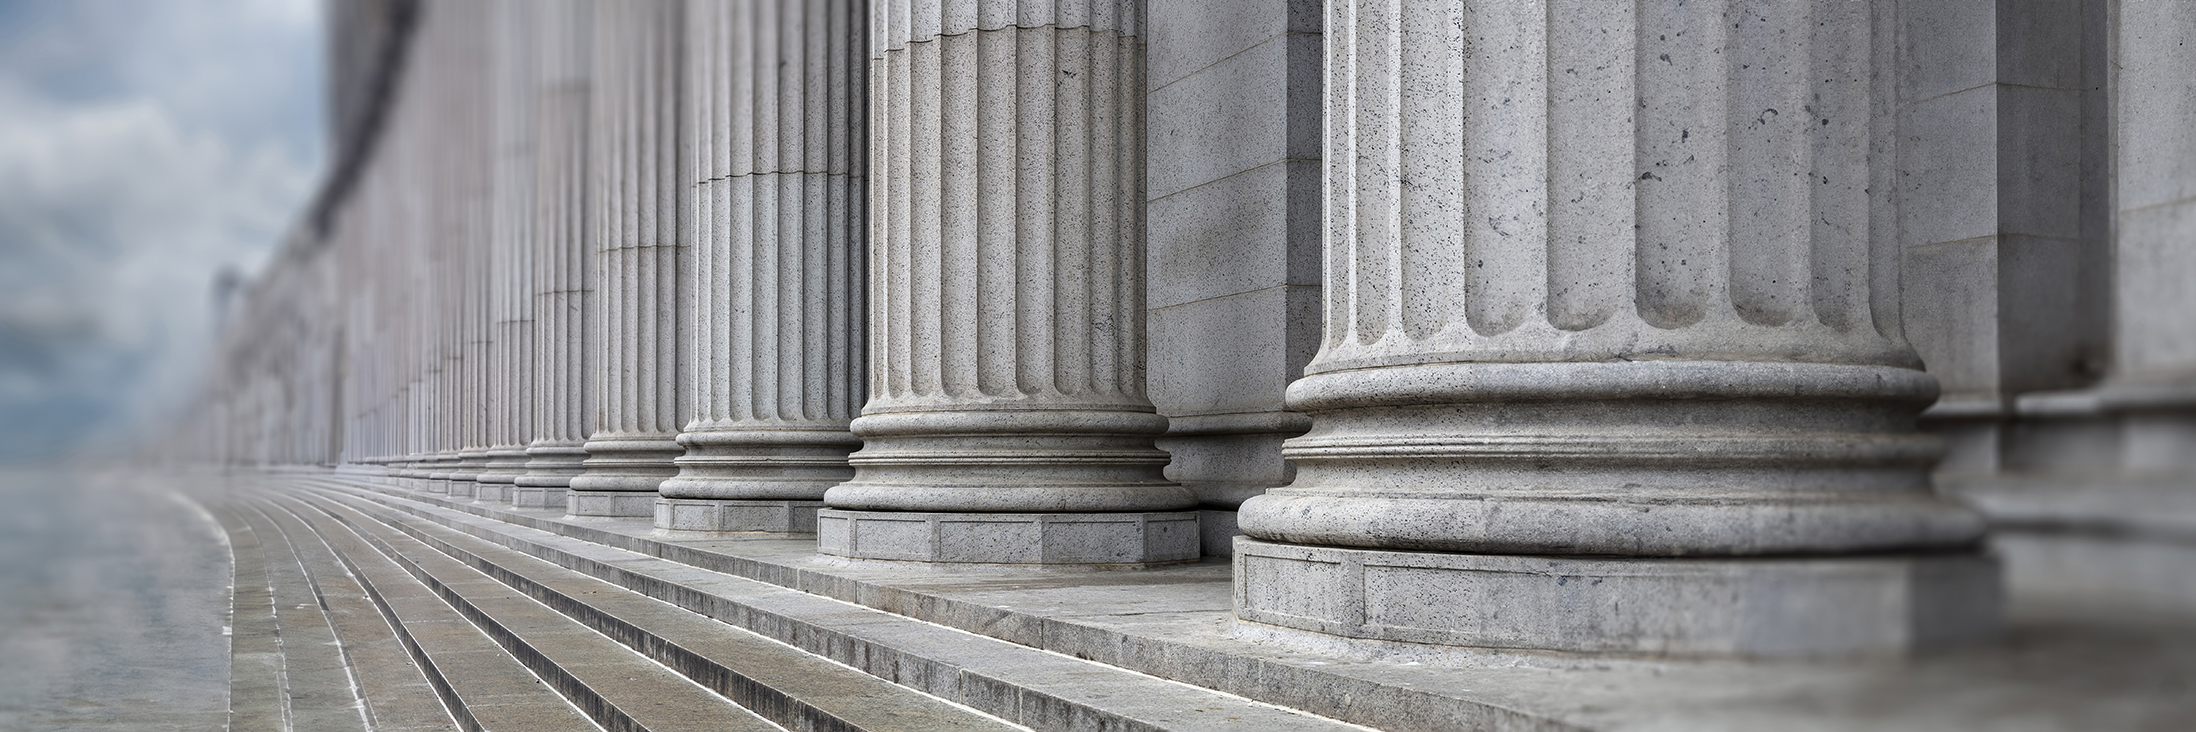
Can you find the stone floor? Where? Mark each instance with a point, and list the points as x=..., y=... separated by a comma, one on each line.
x=382, y=608
x=114, y=603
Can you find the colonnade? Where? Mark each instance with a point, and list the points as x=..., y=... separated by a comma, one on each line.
x=1612, y=356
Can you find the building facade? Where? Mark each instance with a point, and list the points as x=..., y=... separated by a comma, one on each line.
x=1687, y=329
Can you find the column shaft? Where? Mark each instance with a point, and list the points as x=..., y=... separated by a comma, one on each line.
x=1006, y=288
x=563, y=252
x=775, y=101
x=640, y=272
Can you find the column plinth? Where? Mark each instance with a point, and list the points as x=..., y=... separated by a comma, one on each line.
x=1006, y=296
x=1612, y=360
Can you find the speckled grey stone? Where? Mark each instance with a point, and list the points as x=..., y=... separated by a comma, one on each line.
x=1010, y=538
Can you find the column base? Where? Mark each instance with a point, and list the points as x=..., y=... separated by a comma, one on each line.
x=1010, y=538
x=1830, y=606
x=537, y=496
x=461, y=487
x=785, y=517
x=610, y=503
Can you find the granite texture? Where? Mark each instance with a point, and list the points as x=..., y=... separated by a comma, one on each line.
x=1006, y=246
x=1529, y=352
x=1113, y=539
x=642, y=270
x=776, y=109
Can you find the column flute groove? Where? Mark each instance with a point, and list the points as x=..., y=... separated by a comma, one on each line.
x=1007, y=373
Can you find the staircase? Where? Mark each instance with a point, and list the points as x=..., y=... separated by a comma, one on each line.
x=360, y=606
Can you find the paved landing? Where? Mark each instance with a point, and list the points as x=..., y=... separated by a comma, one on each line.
x=113, y=597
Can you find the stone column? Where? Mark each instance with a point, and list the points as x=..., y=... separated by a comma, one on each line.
x=1006, y=419
x=1612, y=358
x=564, y=399
x=511, y=91
x=775, y=101
x=640, y=278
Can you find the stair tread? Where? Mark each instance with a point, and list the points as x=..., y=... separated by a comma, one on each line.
x=467, y=664
x=1019, y=683
x=395, y=691
x=789, y=675
x=650, y=695
x=317, y=679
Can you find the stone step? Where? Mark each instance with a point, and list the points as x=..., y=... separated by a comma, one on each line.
x=794, y=688
x=1029, y=686
x=613, y=685
x=257, y=688
x=396, y=694
x=481, y=685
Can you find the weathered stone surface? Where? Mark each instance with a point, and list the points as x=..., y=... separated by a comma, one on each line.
x=776, y=109
x=1010, y=538
x=1007, y=309
x=641, y=268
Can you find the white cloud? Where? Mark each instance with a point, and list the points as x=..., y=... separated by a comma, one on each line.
x=144, y=146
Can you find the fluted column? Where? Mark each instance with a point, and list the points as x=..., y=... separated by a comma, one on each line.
x=775, y=101
x=562, y=253
x=1603, y=280
x=1006, y=288
x=510, y=272
x=640, y=276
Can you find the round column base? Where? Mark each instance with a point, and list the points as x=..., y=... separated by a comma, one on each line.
x=1010, y=538
x=775, y=516
x=1762, y=607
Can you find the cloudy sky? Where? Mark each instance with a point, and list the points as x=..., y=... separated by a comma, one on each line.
x=145, y=145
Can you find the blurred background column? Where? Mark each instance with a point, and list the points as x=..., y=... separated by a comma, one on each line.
x=562, y=253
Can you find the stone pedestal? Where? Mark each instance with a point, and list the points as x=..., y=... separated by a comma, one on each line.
x=1746, y=607
x=1128, y=539
x=775, y=104
x=1531, y=352
x=1007, y=313
x=640, y=270
x=785, y=517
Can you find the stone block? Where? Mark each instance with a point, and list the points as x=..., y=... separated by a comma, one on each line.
x=788, y=517
x=1231, y=354
x=1773, y=607
x=2155, y=259
x=1187, y=37
x=610, y=503
x=528, y=496
x=1223, y=120
x=1948, y=153
x=1948, y=46
x=1126, y=539
x=1217, y=531
x=493, y=493
x=1246, y=232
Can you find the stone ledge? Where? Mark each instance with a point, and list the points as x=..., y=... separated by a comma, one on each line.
x=694, y=514
x=1870, y=605
x=1132, y=539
